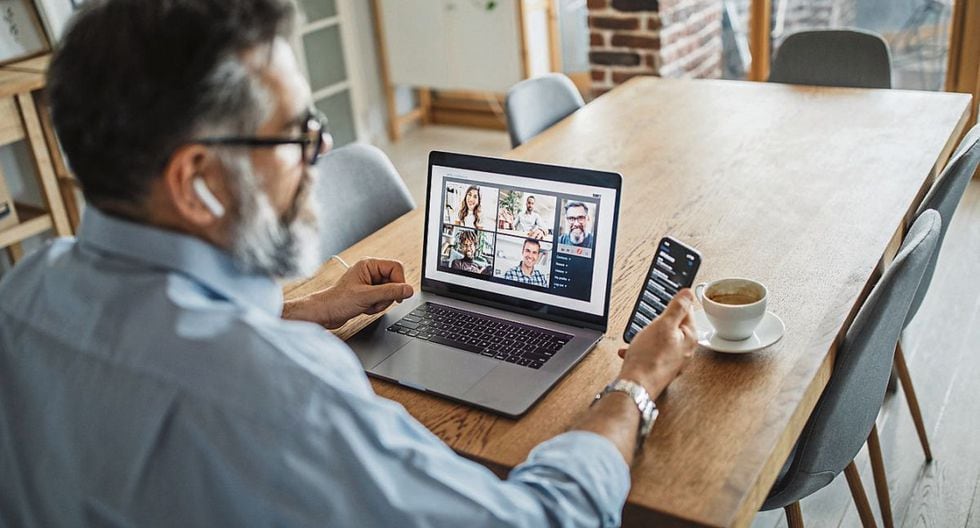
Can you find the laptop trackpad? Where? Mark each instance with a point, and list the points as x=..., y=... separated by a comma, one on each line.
x=435, y=367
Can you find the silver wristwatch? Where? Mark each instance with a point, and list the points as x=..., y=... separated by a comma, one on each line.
x=648, y=409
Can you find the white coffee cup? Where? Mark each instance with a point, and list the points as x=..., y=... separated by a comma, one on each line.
x=734, y=306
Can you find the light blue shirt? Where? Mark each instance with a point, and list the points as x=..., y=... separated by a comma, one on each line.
x=144, y=381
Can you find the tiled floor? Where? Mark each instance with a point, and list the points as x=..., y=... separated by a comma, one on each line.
x=942, y=346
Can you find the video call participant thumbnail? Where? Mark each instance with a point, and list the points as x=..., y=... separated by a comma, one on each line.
x=529, y=221
x=577, y=227
x=526, y=272
x=470, y=206
x=526, y=215
x=466, y=256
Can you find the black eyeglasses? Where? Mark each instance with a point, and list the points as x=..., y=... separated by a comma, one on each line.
x=314, y=127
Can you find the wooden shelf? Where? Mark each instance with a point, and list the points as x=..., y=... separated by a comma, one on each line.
x=10, y=125
x=476, y=109
x=441, y=45
x=23, y=116
x=24, y=76
x=34, y=221
x=468, y=118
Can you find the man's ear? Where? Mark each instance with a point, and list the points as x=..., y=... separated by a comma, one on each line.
x=201, y=204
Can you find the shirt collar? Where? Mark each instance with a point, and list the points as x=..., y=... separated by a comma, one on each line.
x=204, y=263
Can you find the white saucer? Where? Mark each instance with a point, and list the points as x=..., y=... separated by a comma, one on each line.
x=769, y=331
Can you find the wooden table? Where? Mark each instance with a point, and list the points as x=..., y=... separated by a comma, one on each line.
x=805, y=189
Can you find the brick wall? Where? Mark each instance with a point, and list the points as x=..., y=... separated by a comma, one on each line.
x=666, y=38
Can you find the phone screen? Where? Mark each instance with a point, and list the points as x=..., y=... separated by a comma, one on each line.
x=673, y=268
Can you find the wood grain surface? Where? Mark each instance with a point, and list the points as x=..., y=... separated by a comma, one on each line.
x=802, y=188
x=24, y=76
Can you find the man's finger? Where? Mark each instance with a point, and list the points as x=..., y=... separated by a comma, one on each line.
x=678, y=308
x=385, y=270
x=688, y=326
x=387, y=293
x=622, y=353
x=690, y=333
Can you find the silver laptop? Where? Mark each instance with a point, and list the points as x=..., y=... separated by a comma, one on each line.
x=516, y=272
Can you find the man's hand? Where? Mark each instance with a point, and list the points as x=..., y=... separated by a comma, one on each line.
x=368, y=287
x=654, y=359
x=659, y=352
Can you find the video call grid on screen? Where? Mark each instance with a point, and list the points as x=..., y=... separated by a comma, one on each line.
x=568, y=275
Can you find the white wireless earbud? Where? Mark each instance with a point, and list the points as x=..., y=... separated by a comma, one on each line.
x=206, y=196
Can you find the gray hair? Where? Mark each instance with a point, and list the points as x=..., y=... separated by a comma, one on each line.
x=133, y=80
x=234, y=101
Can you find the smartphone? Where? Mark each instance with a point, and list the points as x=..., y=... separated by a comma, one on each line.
x=673, y=268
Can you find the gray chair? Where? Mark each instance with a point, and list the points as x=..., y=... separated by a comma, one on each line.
x=944, y=197
x=833, y=57
x=360, y=192
x=844, y=417
x=533, y=105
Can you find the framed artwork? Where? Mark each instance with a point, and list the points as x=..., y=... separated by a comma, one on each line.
x=21, y=35
x=55, y=14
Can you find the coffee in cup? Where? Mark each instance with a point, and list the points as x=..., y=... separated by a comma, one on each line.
x=734, y=306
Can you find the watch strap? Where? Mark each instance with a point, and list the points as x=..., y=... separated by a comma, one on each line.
x=645, y=404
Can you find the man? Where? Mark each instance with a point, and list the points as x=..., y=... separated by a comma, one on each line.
x=525, y=272
x=150, y=374
x=578, y=225
x=466, y=244
x=529, y=222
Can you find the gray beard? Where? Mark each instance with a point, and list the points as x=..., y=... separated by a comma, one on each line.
x=286, y=247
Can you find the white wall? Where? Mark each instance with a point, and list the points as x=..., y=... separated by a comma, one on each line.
x=366, y=76
x=573, y=19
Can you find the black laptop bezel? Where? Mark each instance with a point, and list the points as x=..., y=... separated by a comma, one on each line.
x=540, y=171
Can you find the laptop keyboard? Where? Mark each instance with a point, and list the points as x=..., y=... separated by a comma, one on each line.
x=500, y=339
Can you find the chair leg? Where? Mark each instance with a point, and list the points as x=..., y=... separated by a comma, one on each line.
x=906, y=381
x=794, y=516
x=860, y=498
x=881, y=480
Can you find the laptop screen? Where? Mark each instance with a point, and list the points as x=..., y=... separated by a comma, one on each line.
x=544, y=240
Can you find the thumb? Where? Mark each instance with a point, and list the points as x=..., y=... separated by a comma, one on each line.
x=387, y=293
x=678, y=307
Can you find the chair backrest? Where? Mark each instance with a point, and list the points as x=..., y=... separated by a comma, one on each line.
x=846, y=411
x=833, y=57
x=533, y=105
x=944, y=196
x=359, y=192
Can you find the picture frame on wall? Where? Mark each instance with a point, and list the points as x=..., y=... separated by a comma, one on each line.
x=21, y=34
x=55, y=15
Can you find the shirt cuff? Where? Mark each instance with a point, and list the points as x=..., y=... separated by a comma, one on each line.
x=593, y=462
